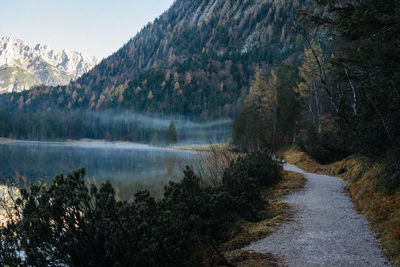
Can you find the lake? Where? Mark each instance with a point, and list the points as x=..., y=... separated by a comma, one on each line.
x=129, y=167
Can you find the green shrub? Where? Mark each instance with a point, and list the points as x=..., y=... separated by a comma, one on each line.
x=69, y=223
x=325, y=147
x=197, y=218
x=244, y=180
x=66, y=223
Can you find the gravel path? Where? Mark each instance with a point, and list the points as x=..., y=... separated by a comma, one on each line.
x=325, y=230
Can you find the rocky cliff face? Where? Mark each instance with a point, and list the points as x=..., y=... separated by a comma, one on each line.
x=22, y=66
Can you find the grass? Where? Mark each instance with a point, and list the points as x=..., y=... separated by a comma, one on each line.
x=362, y=176
x=274, y=213
x=202, y=148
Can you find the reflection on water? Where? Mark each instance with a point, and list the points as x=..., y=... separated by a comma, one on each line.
x=129, y=167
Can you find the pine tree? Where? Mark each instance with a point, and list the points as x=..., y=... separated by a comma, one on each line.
x=172, y=137
x=255, y=127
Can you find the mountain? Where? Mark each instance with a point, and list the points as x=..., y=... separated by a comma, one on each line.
x=22, y=66
x=197, y=58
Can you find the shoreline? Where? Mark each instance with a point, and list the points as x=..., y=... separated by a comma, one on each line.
x=84, y=142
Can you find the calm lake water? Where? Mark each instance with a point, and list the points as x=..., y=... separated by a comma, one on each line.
x=129, y=167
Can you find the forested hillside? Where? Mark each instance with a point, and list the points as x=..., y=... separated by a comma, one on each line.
x=196, y=58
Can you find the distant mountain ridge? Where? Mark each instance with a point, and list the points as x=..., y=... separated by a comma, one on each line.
x=197, y=58
x=22, y=66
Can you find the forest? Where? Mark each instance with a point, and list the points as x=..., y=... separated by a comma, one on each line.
x=111, y=126
x=343, y=98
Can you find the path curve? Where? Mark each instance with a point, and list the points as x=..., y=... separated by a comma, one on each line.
x=325, y=230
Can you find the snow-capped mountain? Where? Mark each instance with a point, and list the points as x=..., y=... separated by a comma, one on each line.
x=22, y=66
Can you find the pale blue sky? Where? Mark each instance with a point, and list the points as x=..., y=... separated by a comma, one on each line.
x=94, y=27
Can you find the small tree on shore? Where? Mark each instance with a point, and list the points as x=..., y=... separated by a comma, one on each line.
x=172, y=137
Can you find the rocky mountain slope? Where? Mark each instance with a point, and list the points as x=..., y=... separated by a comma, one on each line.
x=197, y=58
x=22, y=66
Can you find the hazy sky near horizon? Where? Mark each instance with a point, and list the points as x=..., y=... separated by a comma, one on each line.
x=94, y=27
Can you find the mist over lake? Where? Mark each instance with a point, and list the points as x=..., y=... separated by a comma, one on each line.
x=129, y=167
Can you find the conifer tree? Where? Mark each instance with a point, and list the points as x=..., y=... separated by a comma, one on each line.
x=172, y=137
x=255, y=127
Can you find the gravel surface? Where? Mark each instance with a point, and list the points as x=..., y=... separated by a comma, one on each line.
x=325, y=230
